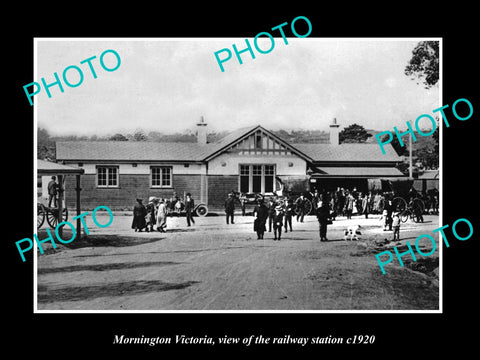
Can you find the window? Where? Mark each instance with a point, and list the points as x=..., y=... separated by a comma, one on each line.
x=107, y=176
x=244, y=178
x=269, y=174
x=161, y=176
x=257, y=178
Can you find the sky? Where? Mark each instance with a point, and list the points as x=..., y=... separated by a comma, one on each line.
x=166, y=85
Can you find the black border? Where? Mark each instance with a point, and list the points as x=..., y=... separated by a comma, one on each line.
x=92, y=334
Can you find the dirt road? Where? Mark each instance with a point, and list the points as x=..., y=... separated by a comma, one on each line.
x=214, y=266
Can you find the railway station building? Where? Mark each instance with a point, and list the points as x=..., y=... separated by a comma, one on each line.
x=248, y=160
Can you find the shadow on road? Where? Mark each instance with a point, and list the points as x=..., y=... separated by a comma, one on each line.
x=104, y=267
x=79, y=293
x=106, y=240
x=174, y=251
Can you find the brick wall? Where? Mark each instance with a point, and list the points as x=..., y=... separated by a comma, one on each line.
x=218, y=188
x=132, y=186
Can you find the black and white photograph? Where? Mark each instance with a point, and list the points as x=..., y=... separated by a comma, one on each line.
x=226, y=180
x=269, y=186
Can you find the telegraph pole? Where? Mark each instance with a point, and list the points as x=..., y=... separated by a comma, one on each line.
x=410, y=168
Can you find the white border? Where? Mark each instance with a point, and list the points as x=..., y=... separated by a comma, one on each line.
x=35, y=263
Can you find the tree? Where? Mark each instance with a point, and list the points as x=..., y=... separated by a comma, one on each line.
x=424, y=63
x=400, y=150
x=426, y=149
x=139, y=135
x=118, y=137
x=353, y=134
x=45, y=145
x=216, y=136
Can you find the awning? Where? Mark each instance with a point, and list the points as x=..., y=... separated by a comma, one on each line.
x=356, y=172
x=51, y=168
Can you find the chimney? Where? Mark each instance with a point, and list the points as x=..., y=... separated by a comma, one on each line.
x=202, y=132
x=334, y=140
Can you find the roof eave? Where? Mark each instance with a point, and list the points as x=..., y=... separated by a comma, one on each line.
x=366, y=163
x=125, y=161
x=248, y=133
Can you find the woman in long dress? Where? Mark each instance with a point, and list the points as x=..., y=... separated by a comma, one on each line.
x=139, y=212
x=161, y=216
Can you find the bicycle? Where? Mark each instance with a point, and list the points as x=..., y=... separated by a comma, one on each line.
x=408, y=211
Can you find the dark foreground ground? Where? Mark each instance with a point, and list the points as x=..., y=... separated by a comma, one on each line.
x=212, y=266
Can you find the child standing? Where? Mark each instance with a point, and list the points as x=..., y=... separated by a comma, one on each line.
x=288, y=214
x=150, y=217
x=277, y=223
x=384, y=219
x=396, y=226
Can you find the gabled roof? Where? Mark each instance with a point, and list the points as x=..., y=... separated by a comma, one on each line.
x=193, y=152
x=238, y=135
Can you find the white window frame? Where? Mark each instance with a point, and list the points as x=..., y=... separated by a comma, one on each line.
x=250, y=177
x=107, y=174
x=162, y=169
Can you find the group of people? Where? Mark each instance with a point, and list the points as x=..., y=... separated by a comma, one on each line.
x=345, y=202
x=298, y=206
x=154, y=214
x=279, y=212
x=278, y=215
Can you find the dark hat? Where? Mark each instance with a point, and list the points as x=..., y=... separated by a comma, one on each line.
x=139, y=200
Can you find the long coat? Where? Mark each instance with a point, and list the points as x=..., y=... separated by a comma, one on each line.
x=139, y=212
x=365, y=205
x=161, y=216
x=262, y=215
x=350, y=202
x=323, y=214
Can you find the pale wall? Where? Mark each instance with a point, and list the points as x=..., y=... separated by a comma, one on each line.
x=144, y=169
x=232, y=162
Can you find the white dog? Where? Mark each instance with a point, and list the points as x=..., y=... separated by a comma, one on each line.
x=353, y=232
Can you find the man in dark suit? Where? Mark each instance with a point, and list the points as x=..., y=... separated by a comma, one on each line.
x=300, y=205
x=52, y=192
x=230, y=207
x=278, y=223
x=323, y=214
x=288, y=214
x=271, y=212
x=189, y=207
